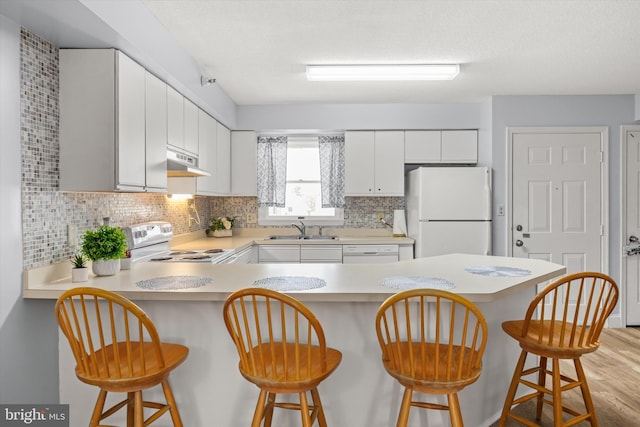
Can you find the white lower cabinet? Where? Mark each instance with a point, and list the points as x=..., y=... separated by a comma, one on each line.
x=246, y=256
x=321, y=254
x=268, y=254
x=327, y=254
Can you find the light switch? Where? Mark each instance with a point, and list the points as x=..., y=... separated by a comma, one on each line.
x=72, y=235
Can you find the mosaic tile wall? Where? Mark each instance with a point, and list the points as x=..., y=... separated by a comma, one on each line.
x=360, y=212
x=46, y=212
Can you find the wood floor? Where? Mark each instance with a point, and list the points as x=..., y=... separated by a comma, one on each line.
x=613, y=373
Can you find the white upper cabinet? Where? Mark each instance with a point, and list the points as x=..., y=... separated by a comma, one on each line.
x=244, y=163
x=175, y=118
x=460, y=146
x=207, y=141
x=223, y=160
x=156, y=134
x=182, y=122
x=447, y=146
x=102, y=121
x=191, y=127
x=422, y=146
x=374, y=163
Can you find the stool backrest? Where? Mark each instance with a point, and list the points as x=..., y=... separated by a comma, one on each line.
x=276, y=336
x=94, y=320
x=431, y=334
x=572, y=310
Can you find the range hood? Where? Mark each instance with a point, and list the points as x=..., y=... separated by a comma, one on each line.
x=183, y=165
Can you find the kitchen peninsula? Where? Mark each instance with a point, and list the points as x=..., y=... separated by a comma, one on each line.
x=208, y=385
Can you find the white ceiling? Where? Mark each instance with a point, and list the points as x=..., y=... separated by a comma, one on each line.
x=257, y=49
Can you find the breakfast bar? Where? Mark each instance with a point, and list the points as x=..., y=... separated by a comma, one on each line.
x=210, y=390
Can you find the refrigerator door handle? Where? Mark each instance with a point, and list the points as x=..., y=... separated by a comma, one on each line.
x=487, y=200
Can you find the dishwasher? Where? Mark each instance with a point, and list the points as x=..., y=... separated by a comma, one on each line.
x=369, y=254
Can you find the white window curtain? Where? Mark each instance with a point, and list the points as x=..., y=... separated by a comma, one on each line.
x=272, y=170
x=332, y=170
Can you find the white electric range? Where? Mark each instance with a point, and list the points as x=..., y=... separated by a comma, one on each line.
x=150, y=242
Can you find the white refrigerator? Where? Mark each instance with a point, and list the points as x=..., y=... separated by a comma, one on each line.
x=449, y=210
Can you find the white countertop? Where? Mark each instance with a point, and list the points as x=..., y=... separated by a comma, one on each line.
x=344, y=282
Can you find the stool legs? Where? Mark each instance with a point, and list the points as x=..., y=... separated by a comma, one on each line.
x=173, y=407
x=97, y=410
x=454, y=410
x=512, y=389
x=405, y=406
x=315, y=396
x=542, y=380
x=586, y=394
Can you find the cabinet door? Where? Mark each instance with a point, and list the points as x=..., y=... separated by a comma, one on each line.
x=207, y=137
x=422, y=146
x=223, y=160
x=244, y=163
x=325, y=254
x=87, y=108
x=460, y=146
x=359, y=163
x=190, y=126
x=156, y=133
x=278, y=253
x=389, y=163
x=130, y=142
x=175, y=118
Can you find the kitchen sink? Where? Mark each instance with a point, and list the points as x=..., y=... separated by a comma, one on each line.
x=298, y=237
x=319, y=237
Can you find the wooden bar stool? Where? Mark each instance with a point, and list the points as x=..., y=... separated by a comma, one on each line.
x=282, y=349
x=563, y=321
x=117, y=348
x=432, y=342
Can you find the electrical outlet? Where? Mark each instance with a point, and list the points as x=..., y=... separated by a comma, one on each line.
x=500, y=210
x=251, y=218
x=379, y=216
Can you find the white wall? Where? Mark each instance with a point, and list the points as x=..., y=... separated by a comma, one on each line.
x=28, y=331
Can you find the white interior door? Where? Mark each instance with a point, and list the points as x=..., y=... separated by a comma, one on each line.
x=558, y=196
x=632, y=262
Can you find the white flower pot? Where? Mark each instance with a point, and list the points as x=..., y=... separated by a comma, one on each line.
x=105, y=267
x=222, y=233
x=79, y=274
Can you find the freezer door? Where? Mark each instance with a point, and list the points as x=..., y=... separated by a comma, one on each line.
x=450, y=237
x=456, y=193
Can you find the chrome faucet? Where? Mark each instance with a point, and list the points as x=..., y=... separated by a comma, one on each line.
x=302, y=228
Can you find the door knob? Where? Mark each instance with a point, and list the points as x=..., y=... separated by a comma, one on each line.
x=519, y=243
x=518, y=227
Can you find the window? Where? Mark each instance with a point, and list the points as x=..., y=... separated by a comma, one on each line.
x=303, y=194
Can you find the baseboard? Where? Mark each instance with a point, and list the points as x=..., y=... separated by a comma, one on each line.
x=615, y=321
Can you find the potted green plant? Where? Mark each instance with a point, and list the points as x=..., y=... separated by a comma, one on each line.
x=104, y=247
x=79, y=272
x=221, y=226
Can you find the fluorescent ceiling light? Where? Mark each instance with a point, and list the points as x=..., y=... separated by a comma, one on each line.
x=383, y=72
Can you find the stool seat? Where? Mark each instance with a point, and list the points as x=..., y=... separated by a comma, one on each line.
x=117, y=349
x=563, y=322
x=282, y=350
x=432, y=342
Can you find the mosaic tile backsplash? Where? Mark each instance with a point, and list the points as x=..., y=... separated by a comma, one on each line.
x=47, y=212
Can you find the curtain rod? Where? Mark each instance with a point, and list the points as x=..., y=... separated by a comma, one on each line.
x=301, y=134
